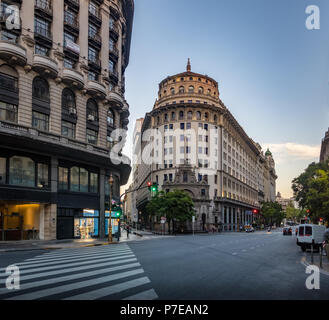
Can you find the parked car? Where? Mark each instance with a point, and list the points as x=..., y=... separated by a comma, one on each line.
x=287, y=231
x=309, y=234
x=249, y=228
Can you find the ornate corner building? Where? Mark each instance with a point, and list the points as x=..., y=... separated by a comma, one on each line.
x=325, y=148
x=198, y=146
x=62, y=85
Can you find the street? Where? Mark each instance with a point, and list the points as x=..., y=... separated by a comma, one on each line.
x=258, y=265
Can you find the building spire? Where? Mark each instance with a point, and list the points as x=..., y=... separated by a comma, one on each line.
x=188, y=68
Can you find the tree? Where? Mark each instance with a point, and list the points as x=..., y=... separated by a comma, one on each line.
x=293, y=214
x=176, y=205
x=311, y=190
x=272, y=212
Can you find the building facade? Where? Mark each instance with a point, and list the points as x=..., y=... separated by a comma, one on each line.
x=62, y=84
x=198, y=146
x=325, y=148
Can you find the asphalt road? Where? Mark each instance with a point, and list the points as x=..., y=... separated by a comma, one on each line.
x=207, y=267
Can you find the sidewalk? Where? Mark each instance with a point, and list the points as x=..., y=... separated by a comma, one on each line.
x=27, y=245
x=316, y=261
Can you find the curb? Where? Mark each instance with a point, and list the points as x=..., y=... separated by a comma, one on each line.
x=306, y=263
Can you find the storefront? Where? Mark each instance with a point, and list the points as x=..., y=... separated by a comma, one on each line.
x=87, y=227
x=115, y=223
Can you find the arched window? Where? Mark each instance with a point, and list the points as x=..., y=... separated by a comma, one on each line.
x=173, y=116
x=172, y=90
x=198, y=115
x=215, y=118
x=181, y=89
x=110, y=118
x=166, y=117
x=92, y=110
x=191, y=89
x=201, y=90
x=68, y=101
x=40, y=89
x=206, y=116
x=209, y=91
x=189, y=115
x=158, y=120
x=181, y=115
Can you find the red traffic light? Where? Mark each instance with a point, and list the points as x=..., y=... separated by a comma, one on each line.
x=149, y=184
x=255, y=211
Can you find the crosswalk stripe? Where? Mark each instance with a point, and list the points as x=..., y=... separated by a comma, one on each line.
x=69, y=265
x=79, y=249
x=76, y=254
x=83, y=257
x=107, y=291
x=70, y=270
x=43, y=264
x=77, y=285
x=25, y=286
x=145, y=295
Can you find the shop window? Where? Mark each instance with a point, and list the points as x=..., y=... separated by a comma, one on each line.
x=93, y=182
x=74, y=179
x=22, y=171
x=8, y=112
x=42, y=175
x=63, y=178
x=3, y=170
x=40, y=121
x=83, y=180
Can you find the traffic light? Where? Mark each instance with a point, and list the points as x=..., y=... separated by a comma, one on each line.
x=154, y=187
x=255, y=211
x=149, y=184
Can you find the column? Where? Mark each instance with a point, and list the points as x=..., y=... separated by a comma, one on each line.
x=102, y=203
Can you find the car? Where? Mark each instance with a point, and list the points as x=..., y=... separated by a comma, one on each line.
x=249, y=228
x=287, y=231
x=310, y=235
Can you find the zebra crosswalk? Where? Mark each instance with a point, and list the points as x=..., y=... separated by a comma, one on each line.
x=107, y=272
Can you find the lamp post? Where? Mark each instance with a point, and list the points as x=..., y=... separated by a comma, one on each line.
x=110, y=217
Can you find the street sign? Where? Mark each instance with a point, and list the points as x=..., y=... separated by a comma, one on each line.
x=163, y=219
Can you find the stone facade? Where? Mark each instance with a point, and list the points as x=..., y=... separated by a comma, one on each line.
x=192, y=126
x=325, y=148
x=61, y=100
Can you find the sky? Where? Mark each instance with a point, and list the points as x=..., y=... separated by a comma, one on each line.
x=273, y=72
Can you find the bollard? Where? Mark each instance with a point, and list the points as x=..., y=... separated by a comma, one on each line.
x=312, y=251
x=321, y=253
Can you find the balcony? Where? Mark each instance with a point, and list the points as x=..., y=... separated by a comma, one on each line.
x=74, y=4
x=114, y=53
x=71, y=23
x=73, y=78
x=94, y=63
x=8, y=83
x=114, y=31
x=43, y=8
x=96, y=88
x=95, y=16
x=45, y=65
x=13, y=53
x=95, y=40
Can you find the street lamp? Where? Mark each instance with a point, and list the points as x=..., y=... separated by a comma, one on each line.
x=110, y=217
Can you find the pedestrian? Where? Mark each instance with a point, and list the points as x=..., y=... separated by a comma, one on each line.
x=127, y=231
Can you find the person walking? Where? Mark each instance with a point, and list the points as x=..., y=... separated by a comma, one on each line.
x=128, y=231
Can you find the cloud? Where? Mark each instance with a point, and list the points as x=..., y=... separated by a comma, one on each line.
x=289, y=151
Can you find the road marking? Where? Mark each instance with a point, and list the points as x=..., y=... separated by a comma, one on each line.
x=41, y=283
x=107, y=291
x=145, y=295
x=234, y=254
x=73, y=286
x=70, y=270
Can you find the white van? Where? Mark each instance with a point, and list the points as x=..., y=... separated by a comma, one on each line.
x=308, y=234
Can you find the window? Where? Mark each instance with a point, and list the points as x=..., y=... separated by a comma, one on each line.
x=110, y=118
x=181, y=115
x=68, y=38
x=181, y=89
x=185, y=177
x=63, y=178
x=8, y=112
x=92, y=31
x=92, y=136
x=40, y=89
x=173, y=116
x=42, y=175
x=182, y=126
x=92, y=76
x=93, y=55
x=206, y=127
x=3, y=165
x=92, y=110
x=110, y=142
x=22, y=171
x=189, y=115
x=68, y=101
x=40, y=121
x=191, y=89
x=8, y=36
x=172, y=90
x=42, y=27
x=93, y=8
x=201, y=90
x=83, y=180
x=74, y=181
x=203, y=192
x=198, y=115
x=93, y=182
x=188, y=125
x=68, y=63
x=68, y=129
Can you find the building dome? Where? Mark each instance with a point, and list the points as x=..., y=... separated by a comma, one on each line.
x=268, y=153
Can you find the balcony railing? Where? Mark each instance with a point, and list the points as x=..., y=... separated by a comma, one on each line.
x=95, y=37
x=114, y=51
x=44, y=5
x=8, y=83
